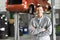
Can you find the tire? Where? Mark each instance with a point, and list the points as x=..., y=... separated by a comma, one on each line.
x=3, y=26
x=31, y=9
x=4, y=35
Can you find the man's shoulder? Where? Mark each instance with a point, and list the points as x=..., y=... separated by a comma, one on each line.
x=46, y=17
x=33, y=18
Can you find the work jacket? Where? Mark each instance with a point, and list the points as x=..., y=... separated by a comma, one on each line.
x=39, y=24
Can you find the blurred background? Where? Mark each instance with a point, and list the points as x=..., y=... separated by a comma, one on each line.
x=7, y=28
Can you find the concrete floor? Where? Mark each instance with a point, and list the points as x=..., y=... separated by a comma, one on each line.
x=25, y=37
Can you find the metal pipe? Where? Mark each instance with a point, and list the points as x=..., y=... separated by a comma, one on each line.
x=53, y=19
x=16, y=26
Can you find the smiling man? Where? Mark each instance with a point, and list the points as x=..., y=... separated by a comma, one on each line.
x=40, y=26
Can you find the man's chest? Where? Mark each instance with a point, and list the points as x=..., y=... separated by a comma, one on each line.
x=42, y=23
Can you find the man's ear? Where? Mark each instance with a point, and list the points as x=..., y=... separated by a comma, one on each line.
x=42, y=11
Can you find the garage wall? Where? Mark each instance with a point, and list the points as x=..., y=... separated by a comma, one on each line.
x=2, y=5
x=57, y=4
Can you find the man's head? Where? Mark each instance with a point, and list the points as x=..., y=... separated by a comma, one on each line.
x=39, y=10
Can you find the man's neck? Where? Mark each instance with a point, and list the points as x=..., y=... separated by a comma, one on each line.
x=40, y=16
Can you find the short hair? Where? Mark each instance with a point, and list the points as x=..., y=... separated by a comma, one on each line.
x=39, y=5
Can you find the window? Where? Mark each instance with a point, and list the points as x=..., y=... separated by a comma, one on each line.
x=14, y=1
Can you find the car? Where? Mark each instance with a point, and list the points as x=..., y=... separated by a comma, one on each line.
x=26, y=5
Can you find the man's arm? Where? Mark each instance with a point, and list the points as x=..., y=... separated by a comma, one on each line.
x=33, y=30
x=48, y=31
x=36, y=31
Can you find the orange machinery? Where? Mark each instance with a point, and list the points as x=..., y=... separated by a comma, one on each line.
x=25, y=5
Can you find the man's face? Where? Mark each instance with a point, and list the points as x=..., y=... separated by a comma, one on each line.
x=39, y=11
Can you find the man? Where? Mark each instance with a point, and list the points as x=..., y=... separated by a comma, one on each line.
x=40, y=27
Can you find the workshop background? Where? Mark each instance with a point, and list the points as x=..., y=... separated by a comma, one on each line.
x=7, y=22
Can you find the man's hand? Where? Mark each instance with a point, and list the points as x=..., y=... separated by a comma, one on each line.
x=43, y=29
x=33, y=27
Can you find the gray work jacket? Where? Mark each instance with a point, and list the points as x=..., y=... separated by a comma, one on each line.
x=43, y=22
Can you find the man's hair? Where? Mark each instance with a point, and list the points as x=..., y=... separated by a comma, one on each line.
x=39, y=5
